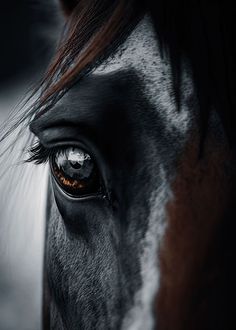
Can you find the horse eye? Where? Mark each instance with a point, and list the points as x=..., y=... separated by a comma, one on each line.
x=76, y=172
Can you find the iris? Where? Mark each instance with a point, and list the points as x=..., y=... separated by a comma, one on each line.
x=76, y=172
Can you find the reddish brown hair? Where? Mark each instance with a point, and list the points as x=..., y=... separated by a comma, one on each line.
x=91, y=29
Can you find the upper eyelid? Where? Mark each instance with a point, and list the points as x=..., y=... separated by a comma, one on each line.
x=65, y=135
x=92, y=97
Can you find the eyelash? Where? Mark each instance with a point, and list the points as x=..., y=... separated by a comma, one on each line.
x=38, y=154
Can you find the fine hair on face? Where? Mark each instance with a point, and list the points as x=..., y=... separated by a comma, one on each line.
x=135, y=116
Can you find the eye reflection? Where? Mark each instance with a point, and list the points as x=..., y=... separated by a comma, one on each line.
x=76, y=172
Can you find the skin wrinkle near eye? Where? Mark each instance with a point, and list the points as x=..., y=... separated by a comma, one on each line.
x=141, y=52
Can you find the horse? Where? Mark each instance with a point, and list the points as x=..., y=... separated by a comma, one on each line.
x=136, y=119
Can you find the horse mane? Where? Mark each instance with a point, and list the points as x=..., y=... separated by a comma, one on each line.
x=202, y=31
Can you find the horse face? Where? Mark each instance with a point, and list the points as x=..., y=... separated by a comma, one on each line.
x=103, y=252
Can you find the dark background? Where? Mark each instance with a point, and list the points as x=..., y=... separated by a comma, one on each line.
x=27, y=34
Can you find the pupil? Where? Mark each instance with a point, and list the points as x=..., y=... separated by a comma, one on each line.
x=75, y=165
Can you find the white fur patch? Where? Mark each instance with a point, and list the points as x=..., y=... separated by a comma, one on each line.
x=140, y=315
x=141, y=52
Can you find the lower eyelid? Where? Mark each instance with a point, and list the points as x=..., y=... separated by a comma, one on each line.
x=66, y=195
